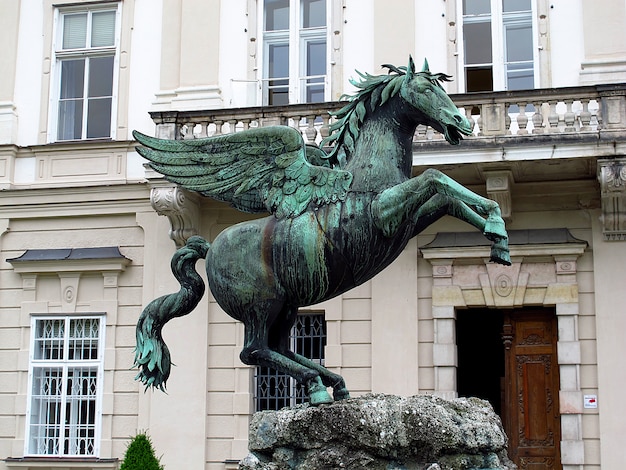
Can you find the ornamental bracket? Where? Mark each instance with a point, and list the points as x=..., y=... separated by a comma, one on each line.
x=181, y=208
x=499, y=185
x=612, y=177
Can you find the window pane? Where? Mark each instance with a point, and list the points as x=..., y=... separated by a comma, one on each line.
x=74, y=30
x=99, y=118
x=479, y=79
x=103, y=29
x=313, y=13
x=515, y=5
x=519, y=43
x=45, y=413
x=70, y=120
x=278, y=61
x=100, y=76
x=80, y=411
x=72, y=78
x=314, y=91
x=520, y=77
x=83, y=338
x=477, y=43
x=49, y=339
x=315, y=58
x=276, y=15
x=476, y=7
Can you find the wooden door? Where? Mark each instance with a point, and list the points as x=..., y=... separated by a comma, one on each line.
x=531, y=412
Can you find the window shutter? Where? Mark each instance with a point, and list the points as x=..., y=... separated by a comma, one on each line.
x=103, y=29
x=74, y=31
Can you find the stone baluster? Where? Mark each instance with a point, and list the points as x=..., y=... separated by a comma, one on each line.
x=468, y=115
x=569, y=116
x=420, y=132
x=480, y=122
x=325, y=129
x=553, y=117
x=585, y=115
x=187, y=130
x=204, y=126
x=538, y=125
x=310, y=132
x=522, y=119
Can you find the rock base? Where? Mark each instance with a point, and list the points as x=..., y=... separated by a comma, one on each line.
x=377, y=432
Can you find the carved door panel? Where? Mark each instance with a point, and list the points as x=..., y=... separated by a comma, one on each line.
x=531, y=416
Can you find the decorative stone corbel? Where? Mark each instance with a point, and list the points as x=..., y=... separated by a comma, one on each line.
x=181, y=209
x=499, y=185
x=612, y=177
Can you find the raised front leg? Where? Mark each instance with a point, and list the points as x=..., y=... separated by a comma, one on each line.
x=423, y=200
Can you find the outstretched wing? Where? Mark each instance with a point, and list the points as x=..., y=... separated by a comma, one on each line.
x=257, y=170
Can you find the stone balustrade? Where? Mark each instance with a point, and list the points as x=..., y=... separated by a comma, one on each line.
x=556, y=111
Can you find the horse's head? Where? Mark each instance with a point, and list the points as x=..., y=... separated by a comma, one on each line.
x=423, y=91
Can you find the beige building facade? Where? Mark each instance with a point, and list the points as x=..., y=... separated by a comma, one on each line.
x=87, y=232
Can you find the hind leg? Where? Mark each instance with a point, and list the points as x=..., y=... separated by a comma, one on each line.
x=279, y=341
x=257, y=352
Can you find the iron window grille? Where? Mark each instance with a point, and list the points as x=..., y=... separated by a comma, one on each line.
x=274, y=390
x=65, y=383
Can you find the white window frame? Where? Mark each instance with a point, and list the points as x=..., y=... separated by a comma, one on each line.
x=65, y=364
x=497, y=46
x=297, y=38
x=87, y=52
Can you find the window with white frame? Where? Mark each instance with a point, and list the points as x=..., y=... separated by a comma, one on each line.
x=295, y=42
x=274, y=390
x=85, y=50
x=66, y=367
x=498, y=45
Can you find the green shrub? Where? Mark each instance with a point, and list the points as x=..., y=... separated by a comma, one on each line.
x=140, y=455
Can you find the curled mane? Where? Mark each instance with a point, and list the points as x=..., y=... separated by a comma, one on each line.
x=373, y=91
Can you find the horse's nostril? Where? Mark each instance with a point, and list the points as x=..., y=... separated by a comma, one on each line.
x=458, y=118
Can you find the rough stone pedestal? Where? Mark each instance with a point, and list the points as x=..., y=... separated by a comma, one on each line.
x=379, y=432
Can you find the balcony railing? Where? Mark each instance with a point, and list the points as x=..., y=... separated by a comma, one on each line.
x=585, y=110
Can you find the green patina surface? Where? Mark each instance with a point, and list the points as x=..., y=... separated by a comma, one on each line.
x=337, y=218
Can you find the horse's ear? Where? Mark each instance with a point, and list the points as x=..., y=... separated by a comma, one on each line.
x=410, y=69
x=425, y=67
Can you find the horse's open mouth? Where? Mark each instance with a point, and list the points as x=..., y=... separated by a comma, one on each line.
x=453, y=134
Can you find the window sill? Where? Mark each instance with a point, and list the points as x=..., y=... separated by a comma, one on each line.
x=73, y=463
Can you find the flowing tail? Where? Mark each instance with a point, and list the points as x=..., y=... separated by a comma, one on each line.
x=151, y=354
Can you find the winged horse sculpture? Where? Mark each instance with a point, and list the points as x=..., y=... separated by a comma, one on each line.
x=336, y=219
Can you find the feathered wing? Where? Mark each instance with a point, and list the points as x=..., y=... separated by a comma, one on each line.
x=257, y=170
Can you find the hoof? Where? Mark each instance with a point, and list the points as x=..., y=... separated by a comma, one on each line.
x=341, y=394
x=317, y=393
x=500, y=253
x=495, y=229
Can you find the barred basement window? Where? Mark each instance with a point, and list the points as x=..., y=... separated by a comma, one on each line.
x=65, y=386
x=274, y=390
